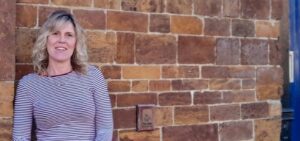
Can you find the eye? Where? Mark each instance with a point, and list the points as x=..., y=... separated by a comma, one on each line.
x=69, y=34
x=55, y=33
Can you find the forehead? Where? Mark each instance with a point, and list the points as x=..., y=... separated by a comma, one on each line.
x=65, y=26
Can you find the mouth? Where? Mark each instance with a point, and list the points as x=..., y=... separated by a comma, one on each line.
x=60, y=48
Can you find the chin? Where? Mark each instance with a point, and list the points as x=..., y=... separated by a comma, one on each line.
x=60, y=59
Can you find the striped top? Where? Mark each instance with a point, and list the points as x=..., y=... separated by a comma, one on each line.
x=68, y=107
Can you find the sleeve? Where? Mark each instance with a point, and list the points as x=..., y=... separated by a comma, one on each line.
x=22, y=114
x=104, y=119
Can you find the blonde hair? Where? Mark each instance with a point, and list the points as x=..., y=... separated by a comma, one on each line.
x=40, y=55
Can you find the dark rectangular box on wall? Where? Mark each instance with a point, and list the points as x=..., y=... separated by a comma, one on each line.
x=145, y=115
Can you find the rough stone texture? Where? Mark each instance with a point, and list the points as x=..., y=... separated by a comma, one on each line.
x=255, y=110
x=267, y=29
x=163, y=116
x=72, y=2
x=141, y=72
x=101, y=46
x=119, y=21
x=217, y=27
x=160, y=85
x=231, y=8
x=86, y=19
x=254, y=9
x=174, y=98
x=33, y=1
x=44, y=12
x=6, y=109
x=126, y=100
x=234, y=131
x=243, y=28
x=211, y=97
x=111, y=72
x=159, y=23
x=25, y=39
x=267, y=130
x=180, y=6
x=275, y=108
x=125, y=48
x=26, y=16
x=196, y=50
x=6, y=100
x=155, y=49
x=110, y=4
x=191, y=115
x=207, y=132
x=101, y=3
x=228, y=51
x=238, y=96
x=22, y=70
x=139, y=86
x=7, y=91
x=7, y=39
x=208, y=7
x=132, y=135
x=269, y=83
x=195, y=84
x=180, y=72
x=248, y=84
x=277, y=9
x=254, y=52
x=224, y=84
x=186, y=25
x=276, y=52
x=124, y=118
x=6, y=129
x=225, y=112
x=113, y=100
x=143, y=5
x=227, y=72
x=118, y=86
x=115, y=136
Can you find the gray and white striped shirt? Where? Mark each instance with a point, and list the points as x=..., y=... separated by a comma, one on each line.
x=68, y=107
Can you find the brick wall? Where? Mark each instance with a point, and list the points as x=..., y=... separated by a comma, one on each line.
x=7, y=66
x=211, y=67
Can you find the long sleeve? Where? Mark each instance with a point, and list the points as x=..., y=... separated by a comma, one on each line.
x=22, y=115
x=104, y=120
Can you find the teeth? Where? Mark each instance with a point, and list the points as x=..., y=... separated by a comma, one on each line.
x=60, y=48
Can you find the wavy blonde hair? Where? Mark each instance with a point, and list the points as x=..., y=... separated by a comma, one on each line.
x=40, y=55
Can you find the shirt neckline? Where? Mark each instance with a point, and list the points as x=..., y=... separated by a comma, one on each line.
x=59, y=74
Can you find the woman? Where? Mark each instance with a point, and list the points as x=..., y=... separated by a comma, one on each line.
x=66, y=98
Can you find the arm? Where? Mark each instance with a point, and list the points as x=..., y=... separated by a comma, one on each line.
x=104, y=120
x=22, y=115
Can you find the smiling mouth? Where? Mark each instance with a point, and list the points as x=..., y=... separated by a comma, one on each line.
x=61, y=48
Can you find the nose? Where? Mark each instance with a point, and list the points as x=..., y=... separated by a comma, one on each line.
x=62, y=39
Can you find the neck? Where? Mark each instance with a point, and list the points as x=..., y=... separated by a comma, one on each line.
x=58, y=68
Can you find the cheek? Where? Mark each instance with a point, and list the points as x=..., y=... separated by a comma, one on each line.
x=72, y=43
x=50, y=42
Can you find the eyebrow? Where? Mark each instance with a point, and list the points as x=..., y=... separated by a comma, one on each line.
x=69, y=32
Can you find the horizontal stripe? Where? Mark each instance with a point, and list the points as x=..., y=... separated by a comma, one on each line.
x=70, y=107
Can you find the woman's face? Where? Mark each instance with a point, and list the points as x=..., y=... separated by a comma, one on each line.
x=61, y=43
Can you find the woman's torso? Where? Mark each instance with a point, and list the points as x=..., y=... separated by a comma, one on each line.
x=63, y=106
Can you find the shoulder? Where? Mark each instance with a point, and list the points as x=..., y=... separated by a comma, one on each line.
x=92, y=68
x=26, y=82
x=94, y=71
x=95, y=74
x=27, y=79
